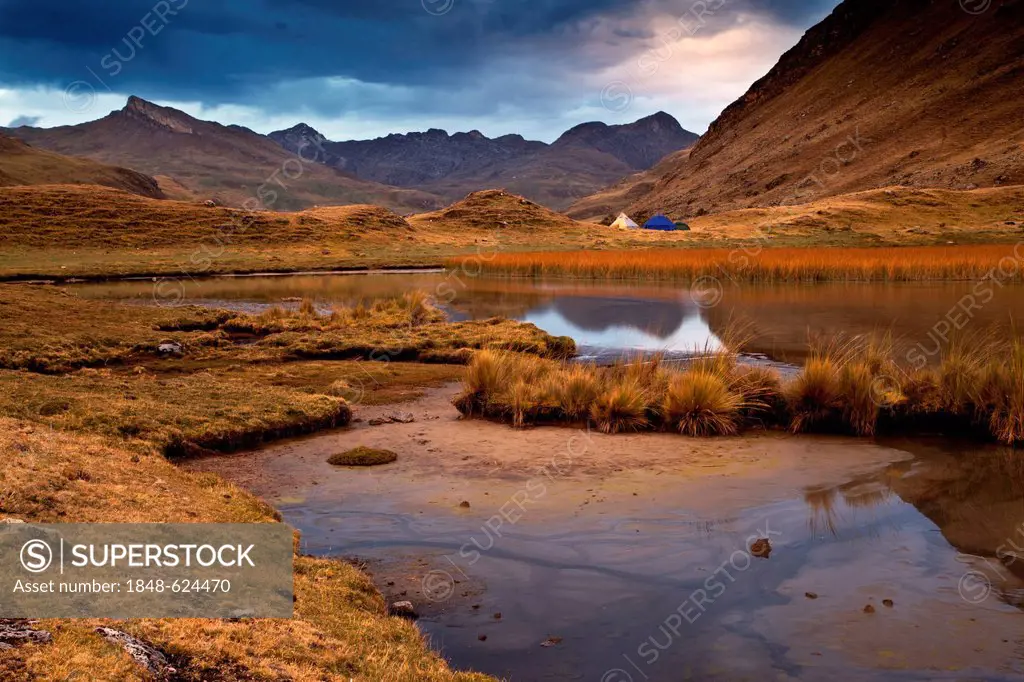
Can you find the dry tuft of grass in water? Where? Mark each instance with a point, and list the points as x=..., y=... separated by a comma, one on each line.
x=639, y=395
x=847, y=386
x=880, y=264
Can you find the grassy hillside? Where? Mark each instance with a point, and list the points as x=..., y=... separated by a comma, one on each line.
x=909, y=93
x=21, y=164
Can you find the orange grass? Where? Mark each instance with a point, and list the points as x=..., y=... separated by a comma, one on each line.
x=756, y=263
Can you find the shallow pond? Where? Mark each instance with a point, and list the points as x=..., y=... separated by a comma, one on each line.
x=579, y=556
x=613, y=318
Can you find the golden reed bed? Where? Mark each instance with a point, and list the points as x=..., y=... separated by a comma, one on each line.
x=757, y=263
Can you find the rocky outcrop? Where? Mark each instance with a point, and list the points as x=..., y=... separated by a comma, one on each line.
x=149, y=658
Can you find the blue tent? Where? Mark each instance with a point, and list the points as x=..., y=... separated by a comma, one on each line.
x=660, y=222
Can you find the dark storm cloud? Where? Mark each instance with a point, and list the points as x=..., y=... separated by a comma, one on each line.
x=24, y=121
x=247, y=52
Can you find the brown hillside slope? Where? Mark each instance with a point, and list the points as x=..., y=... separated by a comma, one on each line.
x=67, y=216
x=610, y=201
x=228, y=163
x=90, y=231
x=893, y=215
x=21, y=164
x=882, y=92
x=495, y=209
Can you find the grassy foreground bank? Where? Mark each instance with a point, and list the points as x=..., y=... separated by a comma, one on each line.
x=90, y=408
x=854, y=388
x=755, y=262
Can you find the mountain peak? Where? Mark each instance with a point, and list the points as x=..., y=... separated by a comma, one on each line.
x=660, y=120
x=300, y=131
x=166, y=117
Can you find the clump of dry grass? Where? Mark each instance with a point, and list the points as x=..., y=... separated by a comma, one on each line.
x=575, y=390
x=499, y=383
x=700, y=403
x=850, y=386
x=813, y=397
x=998, y=393
x=761, y=391
x=887, y=264
x=621, y=407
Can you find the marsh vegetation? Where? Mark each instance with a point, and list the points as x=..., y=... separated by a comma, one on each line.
x=856, y=386
x=756, y=262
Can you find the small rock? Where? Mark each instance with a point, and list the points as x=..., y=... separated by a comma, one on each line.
x=551, y=641
x=11, y=520
x=869, y=609
x=14, y=632
x=497, y=616
x=403, y=609
x=811, y=595
x=377, y=422
x=887, y=602
x=761, y=548
x=402, y=417
x=169, y=348
x=482, y=638
x=476, y=606
x=146, y=655
x=464, y=504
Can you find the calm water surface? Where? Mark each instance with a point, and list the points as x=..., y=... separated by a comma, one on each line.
x=659, y=584
x=613, y=318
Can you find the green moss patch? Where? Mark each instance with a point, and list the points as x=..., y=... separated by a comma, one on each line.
x=362, y=457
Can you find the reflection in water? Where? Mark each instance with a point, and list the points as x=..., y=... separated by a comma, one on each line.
x=827, y=505
x=624, y=315
x=973, y=494
x=673, y=326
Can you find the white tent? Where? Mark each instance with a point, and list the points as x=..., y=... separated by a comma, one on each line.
x=625, y=221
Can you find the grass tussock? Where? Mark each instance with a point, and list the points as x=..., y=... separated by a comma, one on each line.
x=638, y=395
x=883, y=264
x=621, y=407
x=854, y=387
x=362, y=456
x=700, y=403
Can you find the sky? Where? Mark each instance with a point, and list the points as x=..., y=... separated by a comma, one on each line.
x=357, y=69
